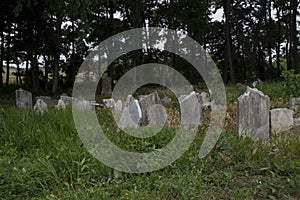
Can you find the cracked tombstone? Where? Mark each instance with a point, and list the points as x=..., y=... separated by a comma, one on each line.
x=192, y=106
x=23, y=99
x=281, y=119
x=254, y=115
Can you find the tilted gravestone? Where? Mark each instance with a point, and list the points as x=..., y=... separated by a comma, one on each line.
x=106, y=86
x=254, y=115
x=281, y=119
x=23, y=99
x=191, y=111
x=146, y=101
x=157, y=115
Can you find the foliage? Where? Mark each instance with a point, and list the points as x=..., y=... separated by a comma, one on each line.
x=291, y=83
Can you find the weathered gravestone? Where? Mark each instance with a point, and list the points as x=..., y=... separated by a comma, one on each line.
x=157, y=115
x=23, y=99
x=191, y=111
x=146, y=102
x=254, y=114
x=46, y=99
x=82, y=105
x=281, y=119
x=205, y=99
x=40, y=107
x=118, y=106
x=294, y=104
x=128, y=100
x=66, y=99
x=106, y=86
x=131, y=116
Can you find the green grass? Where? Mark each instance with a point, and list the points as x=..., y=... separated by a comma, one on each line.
x=42, y=157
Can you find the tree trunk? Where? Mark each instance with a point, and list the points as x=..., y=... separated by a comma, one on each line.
x=252, y=60
x=57, y=55
x=294, y=39
x=228, y=44
x=8, y=55
x=18, y=69
x=1, y=58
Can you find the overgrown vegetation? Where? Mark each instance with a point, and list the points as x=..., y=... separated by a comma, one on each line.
x=291, y=83
x=43, y=158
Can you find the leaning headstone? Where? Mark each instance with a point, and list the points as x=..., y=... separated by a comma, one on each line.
x=23, y=99
x=253, y=114
x=297, y=121
x=294, y=104
x=61, y=104
x=106, y=86
x=146, y=101
x=40, y=107
x=281, y=119
x=131, y=116
x=109, y=103
x=191, y=111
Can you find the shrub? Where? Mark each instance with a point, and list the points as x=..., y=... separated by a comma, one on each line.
x=291, y=83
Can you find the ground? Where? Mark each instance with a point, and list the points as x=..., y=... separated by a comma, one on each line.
x=43, y=158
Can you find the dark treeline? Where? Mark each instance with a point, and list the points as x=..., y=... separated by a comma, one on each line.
x=255, y=38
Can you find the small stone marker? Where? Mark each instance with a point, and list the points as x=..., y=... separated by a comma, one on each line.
x=281, y=119
x=254, y=114
x=128, y=100
x=66, y=99
x=294, y=104
x=106, y=86
x=191, y=111
x=109, y=103
x=46, y=99
x=61, y=104
x=40, y=107
x=146, y=101
x=83, y=105
x=23, y=99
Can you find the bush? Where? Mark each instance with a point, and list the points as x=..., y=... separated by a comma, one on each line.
x=291, y=83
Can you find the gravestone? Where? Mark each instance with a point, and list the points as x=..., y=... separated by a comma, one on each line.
x=66, y=99
x=191, y=111
x=131, y=116
x=40, y=107
x=157, y=115
x=297, y=121
x=109, y=103
x=46, y=99
x=106, y=86
x=23, y=99
x=146, y=101
x=281, y=119
x=294, y=104
x=82, y=105
x=254, y=114
x=128, y=100
x=118, y=106
x=61, y=104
